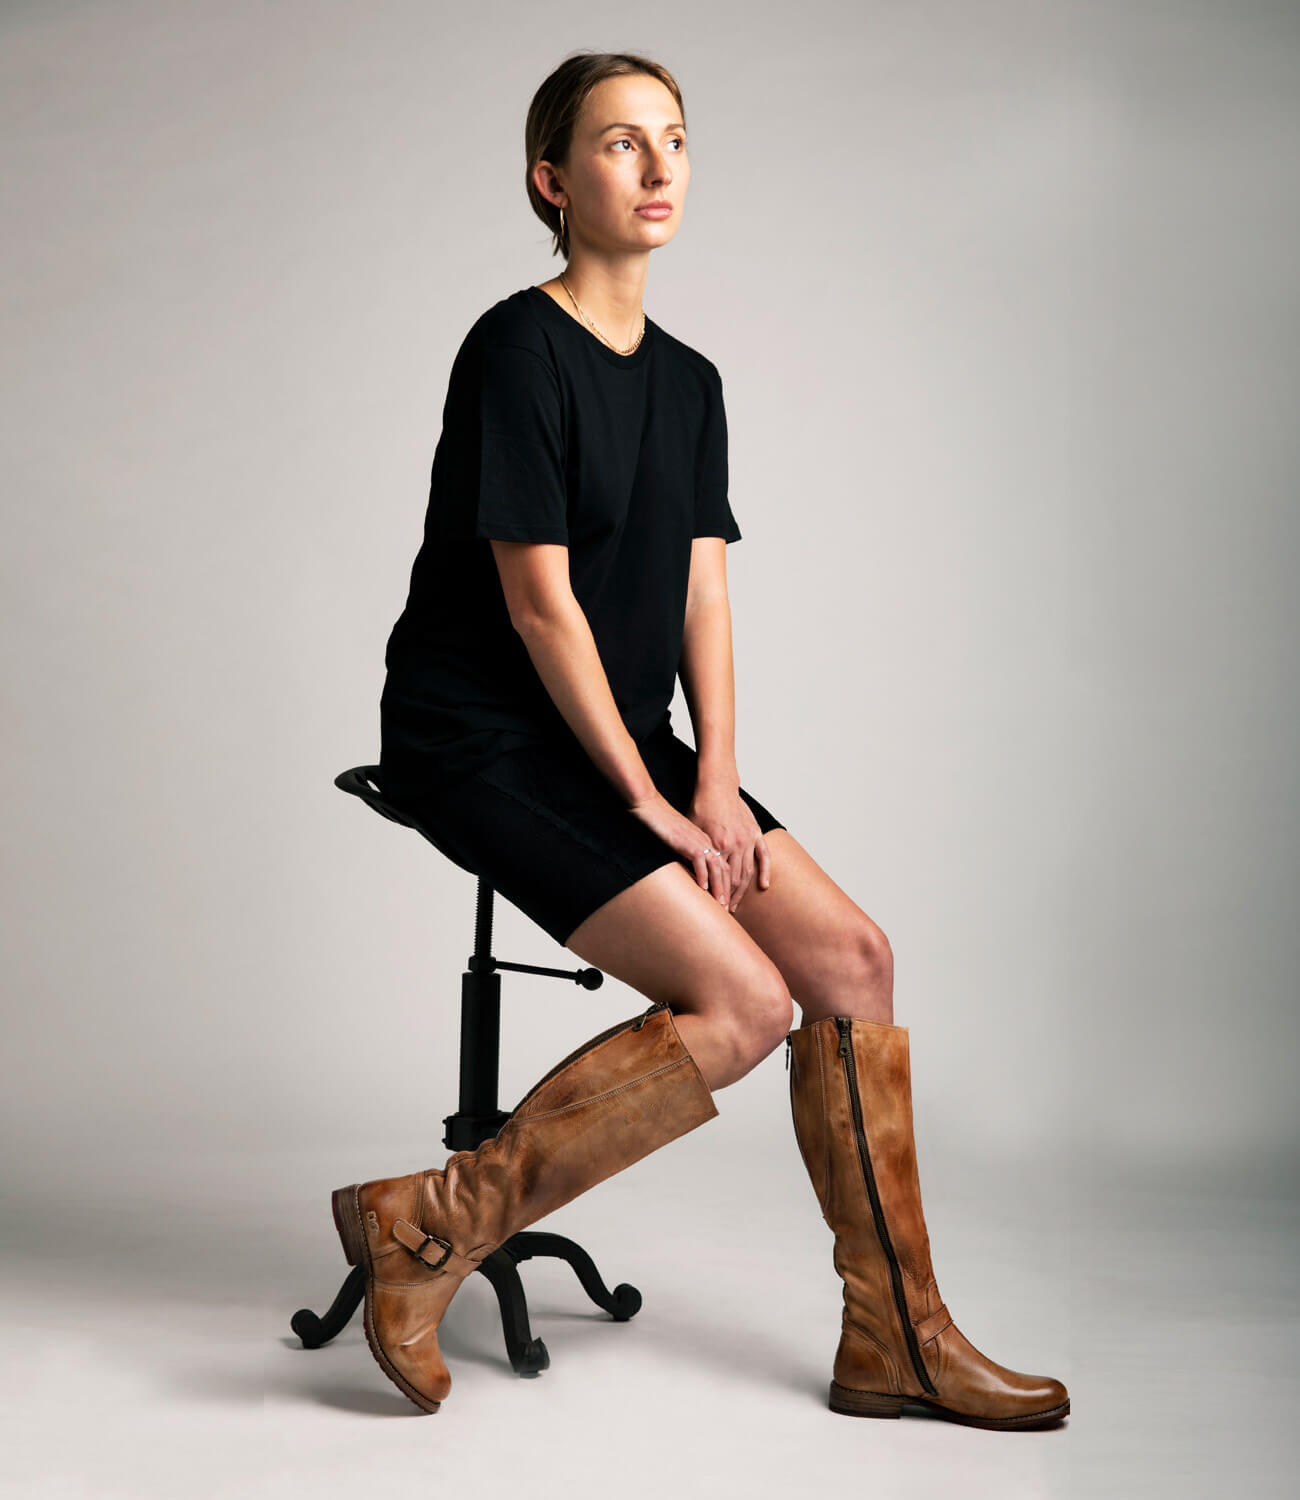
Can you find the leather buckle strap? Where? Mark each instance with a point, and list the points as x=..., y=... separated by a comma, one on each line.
x=417, y=1242
x=935, y=1323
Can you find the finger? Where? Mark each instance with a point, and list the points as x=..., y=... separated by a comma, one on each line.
x=738, y=880
x=722, y=881
x=706, y=870
x=764, y=864
x=746, y=876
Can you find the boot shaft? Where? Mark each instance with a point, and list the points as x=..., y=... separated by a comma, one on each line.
x=850, y=1096
x=851, y=1099
x=621, y=1095
x=851, y=1081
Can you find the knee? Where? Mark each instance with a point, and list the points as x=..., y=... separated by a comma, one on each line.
x=760, y=1025
x=868, y=955
x=861, y=974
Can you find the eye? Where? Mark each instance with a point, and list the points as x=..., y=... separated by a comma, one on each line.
x=625, y=141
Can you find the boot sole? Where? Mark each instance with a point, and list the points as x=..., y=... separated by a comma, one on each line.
x=352, y=1235
x=851, y=1403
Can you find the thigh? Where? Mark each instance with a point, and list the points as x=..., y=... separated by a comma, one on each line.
x=819, y=938
x=813, y=931
x=542, y=827
x=674, y=942
x=668, y=937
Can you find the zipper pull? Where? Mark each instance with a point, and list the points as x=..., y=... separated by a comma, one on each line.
x=845, y=1024
x=645, y=1016
x=789, y=1047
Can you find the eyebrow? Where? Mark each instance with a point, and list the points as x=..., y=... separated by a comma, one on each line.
x=677, y=125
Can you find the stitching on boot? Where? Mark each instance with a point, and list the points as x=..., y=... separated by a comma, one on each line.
x=608, y=1093
x=691, y=1058
x=589, y=1053
x=407, y=1286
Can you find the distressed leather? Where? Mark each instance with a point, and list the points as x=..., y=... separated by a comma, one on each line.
x=613, y=1101
x=873, y=1354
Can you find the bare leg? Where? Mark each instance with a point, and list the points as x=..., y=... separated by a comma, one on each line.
x=672, y=941
x=834, y=958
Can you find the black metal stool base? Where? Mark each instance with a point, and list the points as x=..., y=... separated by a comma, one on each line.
x=528, y=1356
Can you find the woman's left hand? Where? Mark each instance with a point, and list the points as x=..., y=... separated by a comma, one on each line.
x=725, y=816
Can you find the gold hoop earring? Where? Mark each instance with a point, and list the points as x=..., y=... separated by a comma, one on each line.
x=561, y=226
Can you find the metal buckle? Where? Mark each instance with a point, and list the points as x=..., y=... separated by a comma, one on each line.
x=433, y=1239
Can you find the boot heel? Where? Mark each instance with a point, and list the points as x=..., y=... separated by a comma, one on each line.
x=864, y=1403
x=347, y=1220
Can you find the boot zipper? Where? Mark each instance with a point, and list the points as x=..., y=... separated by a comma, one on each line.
x=788, y=1047
x=594, y=1041
x=845, y=1026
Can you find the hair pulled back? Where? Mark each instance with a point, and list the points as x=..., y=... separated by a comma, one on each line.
x=548, y=131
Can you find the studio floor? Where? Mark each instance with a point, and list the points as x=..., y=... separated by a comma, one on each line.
x=149, y=1351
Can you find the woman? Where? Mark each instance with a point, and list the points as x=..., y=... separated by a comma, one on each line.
x=573, y=564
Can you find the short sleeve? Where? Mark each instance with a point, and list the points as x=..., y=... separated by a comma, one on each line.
x=522, y=496
x=713, y=515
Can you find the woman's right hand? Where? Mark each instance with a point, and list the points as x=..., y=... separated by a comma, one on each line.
x=712, y=872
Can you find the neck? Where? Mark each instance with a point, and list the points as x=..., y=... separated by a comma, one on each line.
x=610, y=295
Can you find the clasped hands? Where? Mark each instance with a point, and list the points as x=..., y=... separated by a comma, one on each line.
x=721, y=839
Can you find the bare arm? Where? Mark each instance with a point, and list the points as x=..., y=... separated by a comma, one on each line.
x=706, y=669
x=551, y=622
x=555, y=630
x=707, y=673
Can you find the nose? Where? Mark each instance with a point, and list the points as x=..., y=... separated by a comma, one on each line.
x=657, y=168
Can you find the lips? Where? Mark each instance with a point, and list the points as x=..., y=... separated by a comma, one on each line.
x=658, y=210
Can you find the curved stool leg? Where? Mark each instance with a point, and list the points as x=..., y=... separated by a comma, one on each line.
x=527, y=1355
x=314, y=1331
x=622, y=1303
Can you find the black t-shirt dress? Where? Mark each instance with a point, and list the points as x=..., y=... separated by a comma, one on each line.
x=549, y=435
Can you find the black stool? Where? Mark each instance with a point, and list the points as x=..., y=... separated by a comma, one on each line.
x=475, y=1121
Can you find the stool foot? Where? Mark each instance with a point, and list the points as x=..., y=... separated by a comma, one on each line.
x=314, y=1331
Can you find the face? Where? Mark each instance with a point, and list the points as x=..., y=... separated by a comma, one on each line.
x=628, y=151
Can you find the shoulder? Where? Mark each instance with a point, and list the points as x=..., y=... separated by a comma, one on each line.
x=513, y=320
x=690, y=365
x=512, y=325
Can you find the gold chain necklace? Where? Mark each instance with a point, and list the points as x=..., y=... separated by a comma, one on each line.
x=631, y=347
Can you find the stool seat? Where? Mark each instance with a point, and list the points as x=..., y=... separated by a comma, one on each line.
x=366, y=783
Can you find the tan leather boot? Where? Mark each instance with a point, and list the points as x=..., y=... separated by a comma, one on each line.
x=615, y=1099
x=851, y=1097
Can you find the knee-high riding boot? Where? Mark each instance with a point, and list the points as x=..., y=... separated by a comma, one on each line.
x=851, y=1097
x=615, y=1099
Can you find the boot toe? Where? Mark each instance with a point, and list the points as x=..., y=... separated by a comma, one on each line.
x=1028, y=1397
x=402, y=1331
x=1045, y=1393
x=980, y=1387
x=426, y=1374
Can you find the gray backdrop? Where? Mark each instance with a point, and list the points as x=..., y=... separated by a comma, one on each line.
x=1004, y=301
